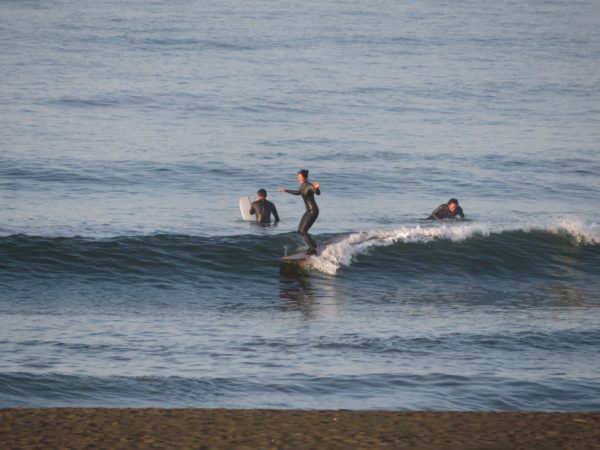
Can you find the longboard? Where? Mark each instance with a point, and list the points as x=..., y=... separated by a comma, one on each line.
x=297, y=262
x=245, y=205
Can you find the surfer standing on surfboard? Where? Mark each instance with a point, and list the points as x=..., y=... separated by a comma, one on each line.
x=307, y=191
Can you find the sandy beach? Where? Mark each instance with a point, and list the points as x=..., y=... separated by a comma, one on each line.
x=99, y=428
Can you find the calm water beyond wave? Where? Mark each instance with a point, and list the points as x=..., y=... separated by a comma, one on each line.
x=130, y=130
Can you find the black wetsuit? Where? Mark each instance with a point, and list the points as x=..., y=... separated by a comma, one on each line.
x=443, y=212
x=263, y=209
x=307, y=191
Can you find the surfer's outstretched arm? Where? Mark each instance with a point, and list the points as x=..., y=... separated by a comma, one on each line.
x=290, y=191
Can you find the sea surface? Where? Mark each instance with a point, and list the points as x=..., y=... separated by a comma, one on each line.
x=129, y=131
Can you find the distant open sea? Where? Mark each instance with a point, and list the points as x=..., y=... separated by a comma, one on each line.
x=129, y=130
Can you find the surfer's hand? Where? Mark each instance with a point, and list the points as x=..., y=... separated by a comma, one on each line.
x=316, y=184
x=281, y=189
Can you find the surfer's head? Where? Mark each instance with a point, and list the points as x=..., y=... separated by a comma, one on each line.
x=452, y=204
x=262, y=193
x=302, y=175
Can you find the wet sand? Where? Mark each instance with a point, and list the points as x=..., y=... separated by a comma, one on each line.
x=100, y=428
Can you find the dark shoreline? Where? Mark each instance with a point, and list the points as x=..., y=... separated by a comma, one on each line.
x=154, y=428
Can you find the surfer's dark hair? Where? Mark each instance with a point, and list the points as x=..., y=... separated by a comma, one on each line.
x=303, y=172
x=453, y=200
x=262, y=192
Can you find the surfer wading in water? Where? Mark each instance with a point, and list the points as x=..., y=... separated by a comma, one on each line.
x=263, y=208
x=307, y=190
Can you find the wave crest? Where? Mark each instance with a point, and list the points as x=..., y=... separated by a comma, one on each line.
x=343, y=252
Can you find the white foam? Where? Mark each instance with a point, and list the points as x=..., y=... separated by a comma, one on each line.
x=344, y=251
x=582, y=232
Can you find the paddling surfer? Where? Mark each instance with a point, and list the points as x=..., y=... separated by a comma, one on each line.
x=263, y=208
x=307, y=190
x=448, y=210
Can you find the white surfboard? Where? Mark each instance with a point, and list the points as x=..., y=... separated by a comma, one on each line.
x=245, y=204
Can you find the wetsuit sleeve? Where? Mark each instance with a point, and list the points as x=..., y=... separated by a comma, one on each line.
x=275, y=213
x=311, y=188
x=460, y=213
x=293, y=192
x=252, y=210
x=434, y=214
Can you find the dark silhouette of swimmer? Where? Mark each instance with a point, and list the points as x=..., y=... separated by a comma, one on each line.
x=307, y=190
x=448, y=210
x=263, y=208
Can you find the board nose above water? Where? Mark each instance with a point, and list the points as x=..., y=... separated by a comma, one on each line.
x=245, y=205
x=297, y=263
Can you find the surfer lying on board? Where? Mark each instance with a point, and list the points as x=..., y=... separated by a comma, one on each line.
x=307, y=191
x=447, y=211
x=263, y=208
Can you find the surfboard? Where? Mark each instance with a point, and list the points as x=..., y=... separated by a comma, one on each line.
x=245, y=204
x=298, y=262
x=295, y=263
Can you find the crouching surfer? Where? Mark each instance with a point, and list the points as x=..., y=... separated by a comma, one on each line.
x=263, y=208
x=307, y=190
x=450, y=210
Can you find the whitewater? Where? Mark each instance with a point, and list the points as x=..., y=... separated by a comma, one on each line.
x=345, y=250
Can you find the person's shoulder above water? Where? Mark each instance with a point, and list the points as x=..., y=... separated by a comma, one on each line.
x=449, y=210
x=263, y=208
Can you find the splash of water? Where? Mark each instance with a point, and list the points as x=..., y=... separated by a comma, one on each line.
x=344, y=251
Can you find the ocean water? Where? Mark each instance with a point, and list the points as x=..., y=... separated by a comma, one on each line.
x=129, y=130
